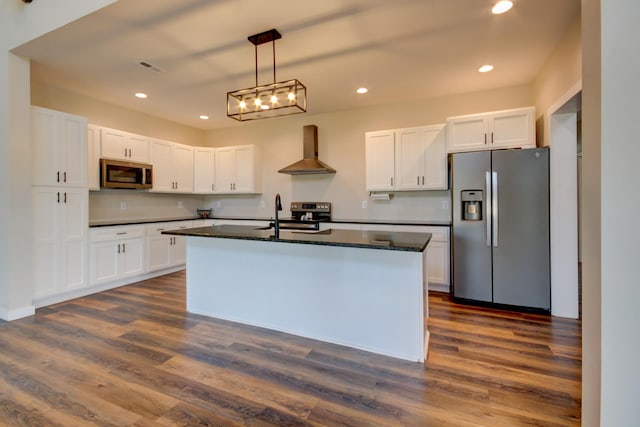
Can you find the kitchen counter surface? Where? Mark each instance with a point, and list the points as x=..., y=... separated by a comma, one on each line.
x=395, y=241
x=110, y=222
x=438, y=223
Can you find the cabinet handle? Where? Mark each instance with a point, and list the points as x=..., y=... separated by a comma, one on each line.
x=125, y=152
x=422, y=179
x=65, y=197
x=417, y=180
x=159, y=229
x=65, y=177
x=211, y=187
x=118, y=247
x=58, y=176
x=491, y=137
x=124, y=248
x=58, y=197
x=485, y=138
x=121, y=233
x=392, y=181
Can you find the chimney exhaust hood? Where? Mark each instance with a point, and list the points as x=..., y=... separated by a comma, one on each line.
x=310, y=163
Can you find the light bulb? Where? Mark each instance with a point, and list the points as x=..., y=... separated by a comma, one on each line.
x=257, y=102
x=485, y=68
x=501, y=7
x=274, y=99
x=243, y=105
x=291, y=96
x=362, y=90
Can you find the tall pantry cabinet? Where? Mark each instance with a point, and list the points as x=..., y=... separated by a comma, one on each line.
x=59, y=202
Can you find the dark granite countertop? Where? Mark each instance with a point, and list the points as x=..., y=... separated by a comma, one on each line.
x=396, y=241
x=438, y=223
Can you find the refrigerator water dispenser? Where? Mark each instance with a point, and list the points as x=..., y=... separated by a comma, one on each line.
x=471, y=205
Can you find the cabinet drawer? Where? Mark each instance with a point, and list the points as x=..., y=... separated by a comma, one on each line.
x=103, y=234
x=157, y=228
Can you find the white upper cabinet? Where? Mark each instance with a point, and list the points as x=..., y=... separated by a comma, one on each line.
x=172, y=166
x=237, y=169
x=494, y=130
x=59, y=148
x=406, y=159
x=93, y=157
x=120, y=145
x=379, y=160
x=421, y=158
x=204, y=163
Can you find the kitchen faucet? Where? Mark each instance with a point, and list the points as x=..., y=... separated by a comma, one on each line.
x=276, y=223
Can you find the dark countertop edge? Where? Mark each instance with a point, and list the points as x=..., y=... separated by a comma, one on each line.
x=433, y=223
x=307, y=241
x=109, y=223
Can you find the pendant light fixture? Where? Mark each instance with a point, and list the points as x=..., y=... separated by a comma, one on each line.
x=269, y=100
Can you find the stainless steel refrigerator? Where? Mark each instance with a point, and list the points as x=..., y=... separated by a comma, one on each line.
x=500, y=208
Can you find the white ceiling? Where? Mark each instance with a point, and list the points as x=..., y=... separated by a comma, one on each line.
x=400, y=49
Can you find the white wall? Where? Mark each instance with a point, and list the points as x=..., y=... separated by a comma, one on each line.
x=20, y=23
x=341, y=145
x=591, y=244
x=620, y=150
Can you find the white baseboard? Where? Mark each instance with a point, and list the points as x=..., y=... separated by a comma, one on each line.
x=440, y=287
x=16, y=314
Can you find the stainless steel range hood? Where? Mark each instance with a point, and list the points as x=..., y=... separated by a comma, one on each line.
x=310, y=163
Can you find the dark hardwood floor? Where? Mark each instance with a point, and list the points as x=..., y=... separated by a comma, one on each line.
x=132, y=356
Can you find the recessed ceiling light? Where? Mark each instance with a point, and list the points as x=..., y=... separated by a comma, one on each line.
x=485, y=68
x=141, y=95
x=203, y=117
x=362, y=90
x=501, y=7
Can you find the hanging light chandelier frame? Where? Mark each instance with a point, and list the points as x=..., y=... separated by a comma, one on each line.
x=269, y=100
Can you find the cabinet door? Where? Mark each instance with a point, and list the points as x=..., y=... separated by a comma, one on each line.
x=245, y=165
x=45, y=149
x=73, y=134
x=438, y=262
x=161, y=161
x=47, y=258
x=513, y=128
x=179, y=250
x=225, y=169
x=113, y=144
x=93, y=157
x=435, y=174
x=104, y=262
x=467, y=133
x=204, y=170
x=74, y=239
x=380, y=159
x=138, y=146
x=409, y=159
x=131, y=257
x=182, y=167
x=158, y=252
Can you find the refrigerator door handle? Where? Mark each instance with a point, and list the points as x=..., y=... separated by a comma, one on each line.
x=494, y=207
x=487, y=220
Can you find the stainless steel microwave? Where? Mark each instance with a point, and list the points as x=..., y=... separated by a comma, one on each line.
x=119, y=174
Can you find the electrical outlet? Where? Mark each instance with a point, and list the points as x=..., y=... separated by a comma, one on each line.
x=123, y=205
x=364, y=204
x=218, y=204
x=445, y=204
x=180, y=205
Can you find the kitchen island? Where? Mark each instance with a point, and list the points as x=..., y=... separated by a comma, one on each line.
x=362, y=289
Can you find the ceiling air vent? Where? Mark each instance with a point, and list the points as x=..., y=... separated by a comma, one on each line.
x=151, y=67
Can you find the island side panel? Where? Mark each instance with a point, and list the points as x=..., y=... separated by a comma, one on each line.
x=369, y=299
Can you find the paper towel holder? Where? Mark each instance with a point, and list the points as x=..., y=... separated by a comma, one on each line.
x=380, y=196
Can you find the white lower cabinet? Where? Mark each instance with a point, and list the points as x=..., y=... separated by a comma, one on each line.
x=60, y=229
x=116, y=253
x=166, y=251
